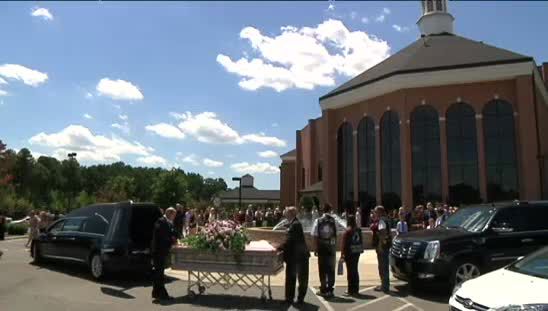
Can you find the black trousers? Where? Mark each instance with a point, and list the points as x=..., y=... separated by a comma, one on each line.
x=296, y=270
x=384, y=268
x=2, y=234
x=158, y=277
x=326, y=267
x=352, y=274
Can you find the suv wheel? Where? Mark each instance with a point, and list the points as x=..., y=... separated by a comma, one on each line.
x=465, y=270
x=96, y=266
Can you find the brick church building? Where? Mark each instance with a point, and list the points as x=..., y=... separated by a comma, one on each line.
x=445, y=119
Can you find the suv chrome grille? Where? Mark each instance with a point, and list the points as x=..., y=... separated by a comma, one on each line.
x=469, y=304
x=405, y=249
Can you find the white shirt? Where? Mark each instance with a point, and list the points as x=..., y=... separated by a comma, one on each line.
x=358, y=220
x=381, y=225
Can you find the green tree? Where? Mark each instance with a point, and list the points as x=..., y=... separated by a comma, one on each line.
x=22, y=172
x=169, y=188
x=71, y=183
x=119, y=188
x=211, y=187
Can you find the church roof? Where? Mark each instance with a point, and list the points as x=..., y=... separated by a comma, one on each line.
x=431, y=53
x=290, y=153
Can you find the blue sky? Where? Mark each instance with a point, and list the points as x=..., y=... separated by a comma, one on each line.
x=208, y=87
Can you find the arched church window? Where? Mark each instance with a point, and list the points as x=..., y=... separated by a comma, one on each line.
x=425, y=135
x=367, y=169
x=462, y=154
x=345, y=161
x=390, y=157
x=500, y=151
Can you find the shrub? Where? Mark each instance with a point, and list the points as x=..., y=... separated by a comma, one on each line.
x=17, y=229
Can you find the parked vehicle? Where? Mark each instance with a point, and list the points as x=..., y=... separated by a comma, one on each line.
x=106, y=237
x=473, y=241
x=504, y=289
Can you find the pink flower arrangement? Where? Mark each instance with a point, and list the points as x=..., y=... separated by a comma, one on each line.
x=219, y=235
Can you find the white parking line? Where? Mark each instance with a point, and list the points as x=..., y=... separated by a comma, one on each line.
x=369, y=302
x=367, y=288
x=403, y=307
x=412, y=305
x=321, y=299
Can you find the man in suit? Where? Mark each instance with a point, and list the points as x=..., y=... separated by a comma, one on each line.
x=163, y=237
x=296, y=257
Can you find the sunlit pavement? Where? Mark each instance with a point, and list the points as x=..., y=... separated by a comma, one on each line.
x=58, y=286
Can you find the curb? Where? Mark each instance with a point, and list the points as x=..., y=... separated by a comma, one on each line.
x=16, y=237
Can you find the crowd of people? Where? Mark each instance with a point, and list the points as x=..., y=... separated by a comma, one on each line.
x=187, y=220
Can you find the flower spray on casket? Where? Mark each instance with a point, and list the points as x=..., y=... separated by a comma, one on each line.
x=225, y=235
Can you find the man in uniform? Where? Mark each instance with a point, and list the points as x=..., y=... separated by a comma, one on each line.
x=163, y=237
x=324, y=230
x=382, y=240
x=296, y=257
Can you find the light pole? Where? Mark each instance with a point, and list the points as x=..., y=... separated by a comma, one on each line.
x=71, y=156
x=239, y=179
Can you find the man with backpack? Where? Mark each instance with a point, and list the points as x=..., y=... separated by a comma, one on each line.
x=324, y=231
x=352, y=247
x=382, y=241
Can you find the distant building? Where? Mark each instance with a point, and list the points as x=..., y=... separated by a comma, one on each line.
x=250, y=195
x=444, y=119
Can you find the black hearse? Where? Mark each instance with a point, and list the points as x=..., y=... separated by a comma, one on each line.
x=106, y=237
x=473, y=241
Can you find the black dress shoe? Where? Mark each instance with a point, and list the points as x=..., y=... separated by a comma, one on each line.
x=300, y=302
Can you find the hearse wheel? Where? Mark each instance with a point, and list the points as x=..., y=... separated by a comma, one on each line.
x=96, y=266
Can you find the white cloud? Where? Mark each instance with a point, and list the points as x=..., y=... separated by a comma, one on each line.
x=365, y=20
x=382, y=16
x=331, y=7
x=117, y=106
x=88, y=146
x=353, y=15
x=88, y=116
x=177, y=116
x=119, y=89
x=165, y=130
x=89, y=95
x=262, y=139
x=192, y=159
x=124, y=127
x=275, y=124
x=152, y=160
x=305, y=57
x=268, y=154
x=399, y=28
x=43, y=13
x=206, y=127
x=18, y=72
x=123, y=117
x=260, y=167
x=212, y=163
x=2, y=81
x=3, y=93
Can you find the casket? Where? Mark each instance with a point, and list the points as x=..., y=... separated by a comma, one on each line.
x=251, y=261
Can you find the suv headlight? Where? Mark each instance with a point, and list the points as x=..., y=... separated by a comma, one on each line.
x=432, y=251
x=531, y=307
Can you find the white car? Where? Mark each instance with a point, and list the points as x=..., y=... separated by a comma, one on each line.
x=520, y=286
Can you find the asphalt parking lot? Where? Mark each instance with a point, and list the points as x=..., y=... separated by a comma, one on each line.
x=59, y=286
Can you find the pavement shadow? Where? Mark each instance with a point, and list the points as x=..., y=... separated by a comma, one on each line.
x=363, y=297
x=236, y=302
x=435, y=294
x=123, y=280
x=338, y=299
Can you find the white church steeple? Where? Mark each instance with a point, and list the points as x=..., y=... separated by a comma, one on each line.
x=435, y=18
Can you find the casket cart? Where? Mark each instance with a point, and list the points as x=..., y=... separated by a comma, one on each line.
x=250, y=269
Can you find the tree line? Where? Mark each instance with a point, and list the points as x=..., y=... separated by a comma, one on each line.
x=57, y=186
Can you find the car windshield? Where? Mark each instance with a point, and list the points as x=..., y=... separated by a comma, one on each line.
x=535, y=264
x=473, y=219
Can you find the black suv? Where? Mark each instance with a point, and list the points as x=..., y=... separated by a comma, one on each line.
x=106, y=237
x=473, y=241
